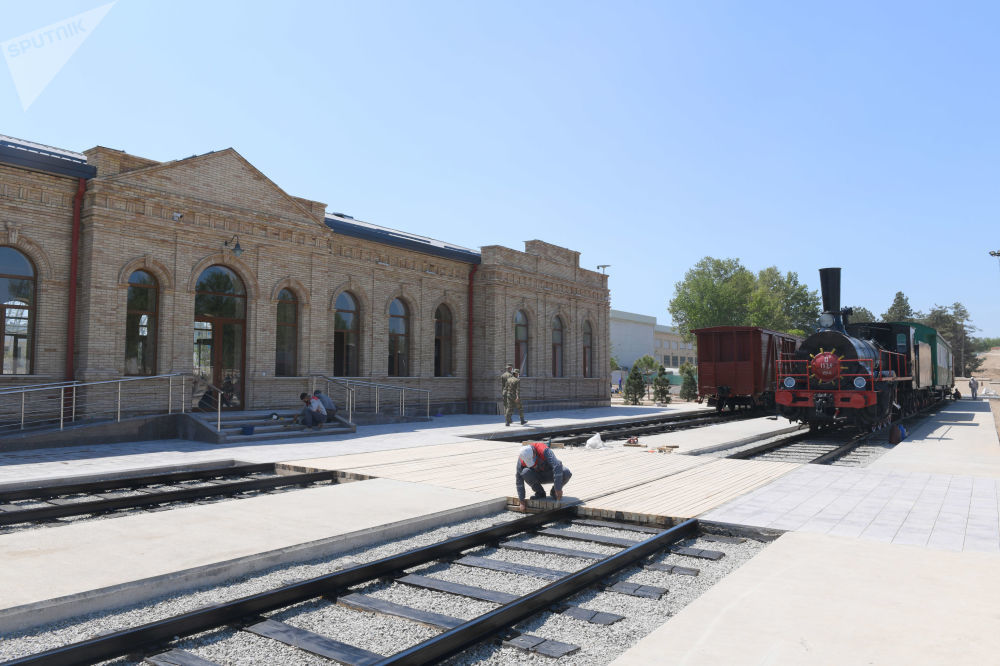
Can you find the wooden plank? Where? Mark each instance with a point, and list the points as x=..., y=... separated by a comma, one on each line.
x=618, y=526
x=636, y=590
x=314, y=643
x=372, y=605
x=511, y=567
x=459, y=589
x=552, y=550
x=542, y=646
x=585, y=536
x=178, y=658
x=697, y=552
x=672, y=569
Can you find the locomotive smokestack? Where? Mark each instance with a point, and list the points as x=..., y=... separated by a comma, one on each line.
x=829, y=284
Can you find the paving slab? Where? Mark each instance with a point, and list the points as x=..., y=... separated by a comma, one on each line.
x=961, y=439
x=818, y=599
x=58, y=572
x=938, y=489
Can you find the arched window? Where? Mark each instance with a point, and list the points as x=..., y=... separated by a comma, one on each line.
x=399, y=340
x=588, y=349
x=557, y=347
x=287, y=334
x=141, y=324
x=345, y=336
x=17, y=308
x=521, y=342
x=443, y=352
x=220, y=310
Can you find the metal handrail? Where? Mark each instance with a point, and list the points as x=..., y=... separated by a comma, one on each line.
x=348, y=383
x=12, y=389
x=68, y=393
x=218, y=399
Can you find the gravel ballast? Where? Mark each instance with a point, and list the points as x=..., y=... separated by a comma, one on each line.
x=386, y=635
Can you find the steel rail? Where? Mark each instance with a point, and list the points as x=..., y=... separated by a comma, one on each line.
x=155, y=633
x=474, y=631
x=623, y=430
x=164, y=497
x=42, y=492
x=841, y=450
x=746, y=454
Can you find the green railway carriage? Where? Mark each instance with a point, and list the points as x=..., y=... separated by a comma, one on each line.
x=933, y=363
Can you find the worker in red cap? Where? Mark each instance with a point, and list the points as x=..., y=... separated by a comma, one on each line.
x=536, y=464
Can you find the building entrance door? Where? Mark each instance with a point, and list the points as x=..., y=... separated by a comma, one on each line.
x=218, y=358
x=220, y=338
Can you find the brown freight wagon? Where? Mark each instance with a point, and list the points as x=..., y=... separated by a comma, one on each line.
x=736, y=364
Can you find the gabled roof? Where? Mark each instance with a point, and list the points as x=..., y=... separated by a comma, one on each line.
x=19, y=152
x=348, y=226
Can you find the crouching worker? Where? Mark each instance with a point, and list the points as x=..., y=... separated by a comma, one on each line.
x=328, y=404
x=537, y=464
x=314, y=413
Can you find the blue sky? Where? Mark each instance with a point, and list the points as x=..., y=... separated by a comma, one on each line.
x=645, y=135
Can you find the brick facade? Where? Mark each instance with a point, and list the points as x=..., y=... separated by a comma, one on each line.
x=128, y=223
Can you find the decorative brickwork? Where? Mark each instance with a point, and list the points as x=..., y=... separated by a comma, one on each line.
x=172, y=219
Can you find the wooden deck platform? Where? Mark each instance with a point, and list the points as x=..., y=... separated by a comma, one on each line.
x=631, y=484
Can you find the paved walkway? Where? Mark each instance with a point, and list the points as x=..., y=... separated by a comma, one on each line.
x=938, y=489
x=18, y=466
x=818, y=599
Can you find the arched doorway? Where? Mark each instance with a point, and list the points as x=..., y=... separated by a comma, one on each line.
x=220, y=311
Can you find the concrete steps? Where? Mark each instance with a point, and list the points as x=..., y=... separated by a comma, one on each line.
x=268, y=425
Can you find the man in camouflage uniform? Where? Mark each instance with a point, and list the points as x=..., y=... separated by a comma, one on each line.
x=504, y=378
x=512, y=397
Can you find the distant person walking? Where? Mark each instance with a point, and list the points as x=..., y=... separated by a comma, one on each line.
x=973, y=387
x=504, y=378
x=512, y=398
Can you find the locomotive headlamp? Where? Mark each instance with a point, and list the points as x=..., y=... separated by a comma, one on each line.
x=826, y=320
x=789, y=382
x=859, y=382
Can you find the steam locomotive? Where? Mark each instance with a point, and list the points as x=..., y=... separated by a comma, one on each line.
x=867, y=373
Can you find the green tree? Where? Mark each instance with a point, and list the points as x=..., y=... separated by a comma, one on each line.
x=646, y=364
x=900, y=310
x=779, y=302
x=689, y=386
x=715, y=292
x=634, y=387
x=661, y=386
x=860, y=315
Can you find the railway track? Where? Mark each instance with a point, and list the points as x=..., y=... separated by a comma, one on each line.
x=34, y=505
x=578, y=436
x=837, y=446
x=593, y=555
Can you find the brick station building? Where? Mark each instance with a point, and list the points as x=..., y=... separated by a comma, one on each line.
x=205, y=266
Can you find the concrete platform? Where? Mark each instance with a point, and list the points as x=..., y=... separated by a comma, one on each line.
x=898, y=499
x=710, y=438
x=54, y=573
x=960, y=439
x=816, y=599
x=625, y=482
